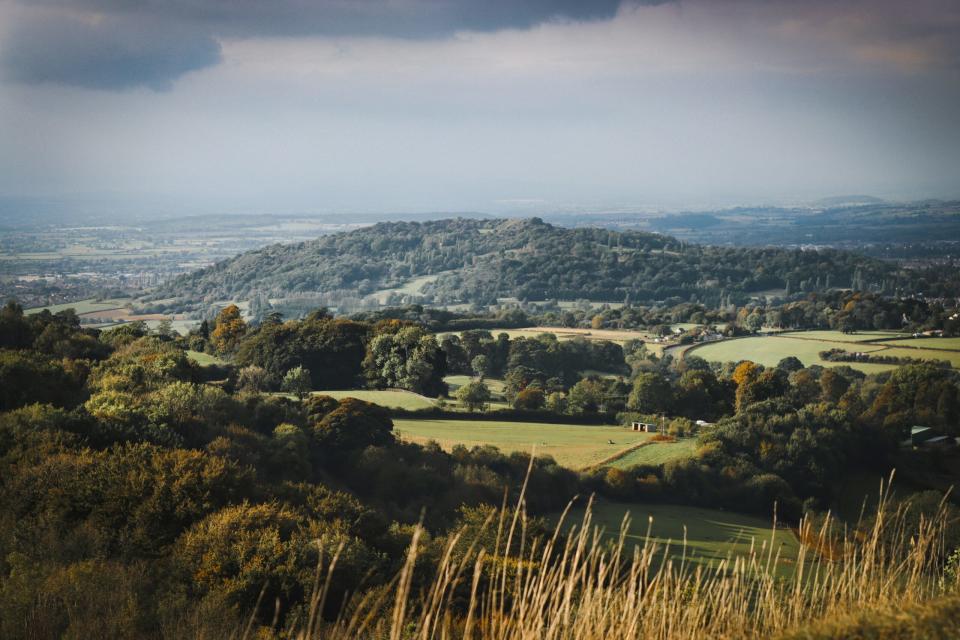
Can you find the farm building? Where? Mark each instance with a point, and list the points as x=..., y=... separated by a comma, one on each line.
x=649, y=427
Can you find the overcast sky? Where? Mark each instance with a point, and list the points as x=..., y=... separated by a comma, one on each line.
x=505, y=106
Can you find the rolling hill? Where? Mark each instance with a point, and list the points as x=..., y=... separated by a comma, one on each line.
x=470, y=261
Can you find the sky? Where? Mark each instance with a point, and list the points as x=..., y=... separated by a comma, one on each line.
x=166, y=107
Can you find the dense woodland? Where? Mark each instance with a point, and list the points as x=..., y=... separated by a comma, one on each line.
x=142, y=491
x=479, y=262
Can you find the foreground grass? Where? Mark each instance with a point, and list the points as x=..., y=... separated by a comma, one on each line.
x=938, y=619
x=572, y=445
x=583, y=586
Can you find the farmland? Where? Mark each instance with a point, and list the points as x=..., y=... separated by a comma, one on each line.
x=566, y=333
x=656, y=454
x=495, y=385
x=204, y=359
x=575, y=446
x=952, y=344
x=82, y=306
x=391, y=398
x=711, y=535
x=768, y=350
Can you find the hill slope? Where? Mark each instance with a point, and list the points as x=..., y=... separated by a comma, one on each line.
x=478, y=261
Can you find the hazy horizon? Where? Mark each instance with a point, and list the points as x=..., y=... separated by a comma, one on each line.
x=506, y=108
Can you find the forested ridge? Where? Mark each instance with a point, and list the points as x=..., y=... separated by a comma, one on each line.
x=479, y=261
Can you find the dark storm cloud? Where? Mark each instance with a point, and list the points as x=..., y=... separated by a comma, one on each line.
x=393, y=18
x=109, y=54
x=115, y=44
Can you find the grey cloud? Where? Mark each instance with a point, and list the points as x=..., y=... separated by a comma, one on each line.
x=107, y=54
x=392, y=18
x=153, y=42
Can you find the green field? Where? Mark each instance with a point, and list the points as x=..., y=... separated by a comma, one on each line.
x=572, y=445
x=769, y=350
x=204, y=359
x=806, y=345
x=657, y=453
x=928, y=343
x=395, y=398
x=81, y=306
x=839, y=336
x=495, y=385
x=711, y=535
x=927, y=354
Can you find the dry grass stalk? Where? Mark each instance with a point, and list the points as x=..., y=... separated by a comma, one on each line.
x=581, y=585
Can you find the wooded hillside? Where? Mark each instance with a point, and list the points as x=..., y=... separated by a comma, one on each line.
x=479, y=261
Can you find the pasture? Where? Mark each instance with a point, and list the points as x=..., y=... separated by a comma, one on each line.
x=571, y=445
x=81, y=307
x=768, y=350
x=950, y=344
x=656, y=453
x=204, y=359
x=495, y=385
x=390, y=398
x=711, y=535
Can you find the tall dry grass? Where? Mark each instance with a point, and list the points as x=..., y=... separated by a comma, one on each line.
x=580, y=585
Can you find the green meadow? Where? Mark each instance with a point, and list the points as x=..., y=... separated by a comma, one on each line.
x=711, y=535
x=572, y=445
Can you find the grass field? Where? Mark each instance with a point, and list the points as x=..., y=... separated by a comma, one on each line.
x=839, y=336
x=657, y=453
x=396, y=398
x=572, y=445
x=806, y=345
x=495, y=385
x=711, y=535
x=769, y=350
x=928, y=343
x=204, y=359
x=927, y=354
x=81, y=306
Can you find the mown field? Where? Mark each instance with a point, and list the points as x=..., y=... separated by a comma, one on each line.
x=495, y=385
x=204, y=359
x=928, y=343
x=768, y=350
x=572, y=445
x=657, y=453
x=393, y=398
x=82, y=306
x=711, y=535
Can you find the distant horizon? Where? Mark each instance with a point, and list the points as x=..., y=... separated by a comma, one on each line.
x=20, y=211
x=110, y=107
